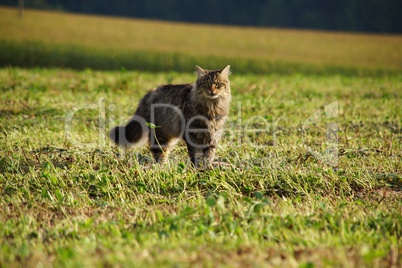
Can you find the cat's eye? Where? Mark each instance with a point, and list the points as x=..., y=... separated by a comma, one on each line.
x=219, y=85
x=204, y=85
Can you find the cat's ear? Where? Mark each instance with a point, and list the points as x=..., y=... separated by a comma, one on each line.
x=200, y=71
x=225, y=71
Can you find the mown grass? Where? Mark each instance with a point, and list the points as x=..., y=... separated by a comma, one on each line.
x=50, y=39
x=72, y=199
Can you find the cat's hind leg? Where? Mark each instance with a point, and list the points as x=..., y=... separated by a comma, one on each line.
x=160, y=145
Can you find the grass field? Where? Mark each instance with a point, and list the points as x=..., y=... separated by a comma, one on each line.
x=78, y=41
x=315, y=174
x=72, y=201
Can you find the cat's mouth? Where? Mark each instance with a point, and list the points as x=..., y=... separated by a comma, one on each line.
x=212, y=96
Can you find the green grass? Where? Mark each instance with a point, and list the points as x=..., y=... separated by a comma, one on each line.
x=69, y=198
x=74, y=201
x=52, y=39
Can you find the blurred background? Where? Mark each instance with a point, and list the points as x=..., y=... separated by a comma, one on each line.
x=281, y=36
x=345, y=15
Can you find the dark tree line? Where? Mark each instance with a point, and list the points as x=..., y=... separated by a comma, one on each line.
x=345, y=15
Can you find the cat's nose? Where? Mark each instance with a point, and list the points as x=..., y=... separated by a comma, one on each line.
x=212, y=90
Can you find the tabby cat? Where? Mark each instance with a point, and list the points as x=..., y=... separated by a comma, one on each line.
x=195, y=113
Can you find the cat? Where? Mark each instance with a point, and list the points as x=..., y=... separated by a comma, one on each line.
x=195, y=113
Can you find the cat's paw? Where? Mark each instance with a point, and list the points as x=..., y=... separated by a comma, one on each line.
x=222, y=165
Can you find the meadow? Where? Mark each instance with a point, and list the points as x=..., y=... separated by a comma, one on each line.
x=315, y=153
x=51, y=39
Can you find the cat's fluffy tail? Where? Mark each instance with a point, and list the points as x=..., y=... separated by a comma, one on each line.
x=134, y=132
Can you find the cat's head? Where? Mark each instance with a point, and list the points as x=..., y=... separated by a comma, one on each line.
x=213, y=84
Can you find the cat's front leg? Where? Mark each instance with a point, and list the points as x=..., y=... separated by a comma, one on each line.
x=201, y=157
x=200, y=144
x=208, y=156
x=196, y=155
